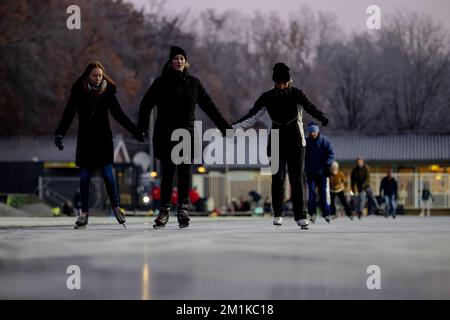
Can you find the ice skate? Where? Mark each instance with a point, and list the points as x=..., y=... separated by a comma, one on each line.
x=278, y=221
x=183, y=217
x=162, y=218
x=120, y=216
x=81, y=222
x=327, y=218
x=303, y=224
x=313, y=218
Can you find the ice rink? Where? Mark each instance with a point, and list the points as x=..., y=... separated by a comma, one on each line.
x=226, y=258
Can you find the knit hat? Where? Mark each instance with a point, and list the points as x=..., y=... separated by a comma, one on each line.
x=312, y=127
x=174, y=51
x=281, y=73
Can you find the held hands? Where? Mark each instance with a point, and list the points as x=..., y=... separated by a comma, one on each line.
x=58, y=142
x=140, y=136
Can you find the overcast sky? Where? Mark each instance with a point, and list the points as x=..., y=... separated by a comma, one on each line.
x=351, y=13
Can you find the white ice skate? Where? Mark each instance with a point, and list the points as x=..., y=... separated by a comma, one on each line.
x=303, y=223
x=277, y=221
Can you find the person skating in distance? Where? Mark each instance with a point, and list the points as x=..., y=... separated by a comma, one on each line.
x=318, y=159
x=92, y=97
x=285, y=105
x=175, y=94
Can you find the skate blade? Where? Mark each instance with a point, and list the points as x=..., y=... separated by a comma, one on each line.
x=304, y=228
x=183, y=226
x=79, y=227
x=156, y=227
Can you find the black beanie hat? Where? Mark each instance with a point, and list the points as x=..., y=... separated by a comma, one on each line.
x=281, y=73
x=174, y=51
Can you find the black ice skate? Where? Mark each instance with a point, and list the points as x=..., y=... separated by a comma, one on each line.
x=183, y=217
x=162, y=218
x=81, y=222
x=120, y=216
x=327, y=218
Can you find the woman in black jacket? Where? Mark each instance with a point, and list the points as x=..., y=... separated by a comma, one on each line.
x=175, y=94
x=285, y=105
x=92, y=96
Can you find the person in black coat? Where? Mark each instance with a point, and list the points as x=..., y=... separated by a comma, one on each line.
x=175, y=94
x=388, y=190
x=92, y=97
x=285, y=105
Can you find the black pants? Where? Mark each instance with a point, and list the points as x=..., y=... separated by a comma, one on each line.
x=294, y=158
x=184, y=181
x=343, y=201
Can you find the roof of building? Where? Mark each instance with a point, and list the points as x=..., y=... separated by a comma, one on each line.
x=42, y=148
x=411, y=147
x=382, y=148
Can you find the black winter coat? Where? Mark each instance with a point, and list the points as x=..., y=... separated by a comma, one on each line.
x=94, y=139
x=175, y=95
x=285, y=109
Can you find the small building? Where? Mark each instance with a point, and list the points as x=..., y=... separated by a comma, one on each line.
x=414, y=159
x=33, y=164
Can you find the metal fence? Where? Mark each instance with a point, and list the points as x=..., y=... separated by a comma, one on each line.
x=57, y=190
x=237, y=184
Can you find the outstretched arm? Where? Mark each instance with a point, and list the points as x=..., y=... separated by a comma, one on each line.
x=207, y=105
x=309, y=107
x=147, y=104
x=67, y=117
x=252, y=116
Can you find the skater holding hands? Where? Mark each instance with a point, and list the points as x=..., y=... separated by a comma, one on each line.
x=92, y=97
x=175, y=94
x=285, y=105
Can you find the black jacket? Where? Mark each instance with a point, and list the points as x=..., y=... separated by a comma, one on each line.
x=175, y=95
x=388, y=187
x=94, y=139
x=360, y=177
x=285, y=108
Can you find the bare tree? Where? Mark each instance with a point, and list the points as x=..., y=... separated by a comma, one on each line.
x=416, y=61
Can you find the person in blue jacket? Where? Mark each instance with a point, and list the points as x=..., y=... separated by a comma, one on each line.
x=319, y=157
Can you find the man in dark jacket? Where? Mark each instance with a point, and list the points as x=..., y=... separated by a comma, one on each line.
x=388, y=190
x=175, y=94
x=318, y=159
x=360, y=178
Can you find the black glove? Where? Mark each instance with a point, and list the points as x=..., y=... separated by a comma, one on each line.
x=324, y=121
x=58, y=142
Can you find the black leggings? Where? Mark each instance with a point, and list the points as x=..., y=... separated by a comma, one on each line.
x=294, y=158
x=344, y=203
x=184, y=181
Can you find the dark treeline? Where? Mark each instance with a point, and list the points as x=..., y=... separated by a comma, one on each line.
x=393, y=80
